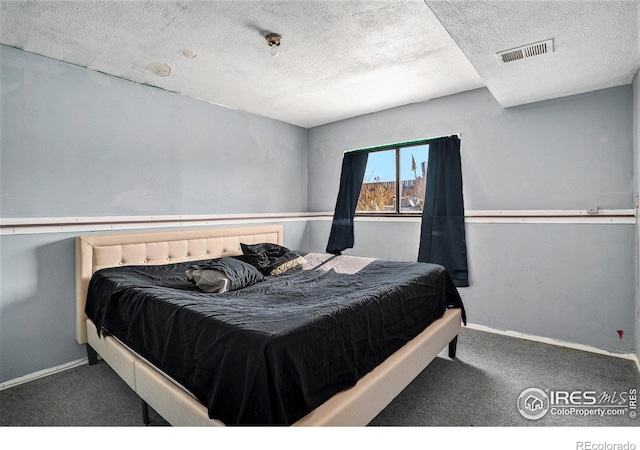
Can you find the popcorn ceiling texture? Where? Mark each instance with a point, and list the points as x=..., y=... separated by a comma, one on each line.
x=338, y=59
x=597, y=45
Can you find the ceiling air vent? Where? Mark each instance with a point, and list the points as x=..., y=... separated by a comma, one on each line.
x=526, y=51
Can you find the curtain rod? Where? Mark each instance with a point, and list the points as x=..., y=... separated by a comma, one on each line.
x=406, y=143
x=459, y=135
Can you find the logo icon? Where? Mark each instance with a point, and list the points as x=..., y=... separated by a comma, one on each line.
x=533, y=403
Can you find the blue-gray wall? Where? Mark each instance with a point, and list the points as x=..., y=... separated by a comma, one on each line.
x=77, y=143
x=570, y=282
x=568, y=153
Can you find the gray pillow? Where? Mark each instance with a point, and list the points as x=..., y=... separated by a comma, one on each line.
x=209, y=280
x=223, y=274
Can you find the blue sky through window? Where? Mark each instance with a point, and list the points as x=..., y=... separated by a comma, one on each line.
x=382, y=164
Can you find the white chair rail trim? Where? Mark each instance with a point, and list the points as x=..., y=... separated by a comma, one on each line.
x=42, y=225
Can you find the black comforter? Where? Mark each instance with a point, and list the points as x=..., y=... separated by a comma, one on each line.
x=272, y=352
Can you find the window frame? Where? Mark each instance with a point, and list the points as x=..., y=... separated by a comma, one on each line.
x=397, y=147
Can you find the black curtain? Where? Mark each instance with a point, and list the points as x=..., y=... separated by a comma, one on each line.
x=353, y=168
x=442, y=237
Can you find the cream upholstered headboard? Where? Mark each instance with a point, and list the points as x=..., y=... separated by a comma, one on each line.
x=99, y=251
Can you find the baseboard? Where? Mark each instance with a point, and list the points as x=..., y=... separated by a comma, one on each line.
x=42, y=373
x=557, y=342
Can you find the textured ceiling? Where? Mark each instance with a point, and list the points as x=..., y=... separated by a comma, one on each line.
x=338, y=59
x=596, y=44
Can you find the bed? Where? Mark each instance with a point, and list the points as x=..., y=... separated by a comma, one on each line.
x=275, y=360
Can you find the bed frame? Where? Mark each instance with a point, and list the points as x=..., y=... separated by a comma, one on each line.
x=356, y=406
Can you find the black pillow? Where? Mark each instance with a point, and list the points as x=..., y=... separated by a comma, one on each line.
x=270, y=259
x=223, y=274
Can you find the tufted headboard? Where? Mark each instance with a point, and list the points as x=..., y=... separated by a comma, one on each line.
x=98, y=251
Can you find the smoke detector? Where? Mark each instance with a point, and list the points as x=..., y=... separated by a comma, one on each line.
x=526, y=51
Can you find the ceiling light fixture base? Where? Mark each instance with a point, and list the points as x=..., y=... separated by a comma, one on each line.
x=273, y=41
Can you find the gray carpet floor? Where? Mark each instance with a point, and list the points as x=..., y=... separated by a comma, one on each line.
x=479, y=388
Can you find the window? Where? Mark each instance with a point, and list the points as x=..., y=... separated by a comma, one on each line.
x=394, y=172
